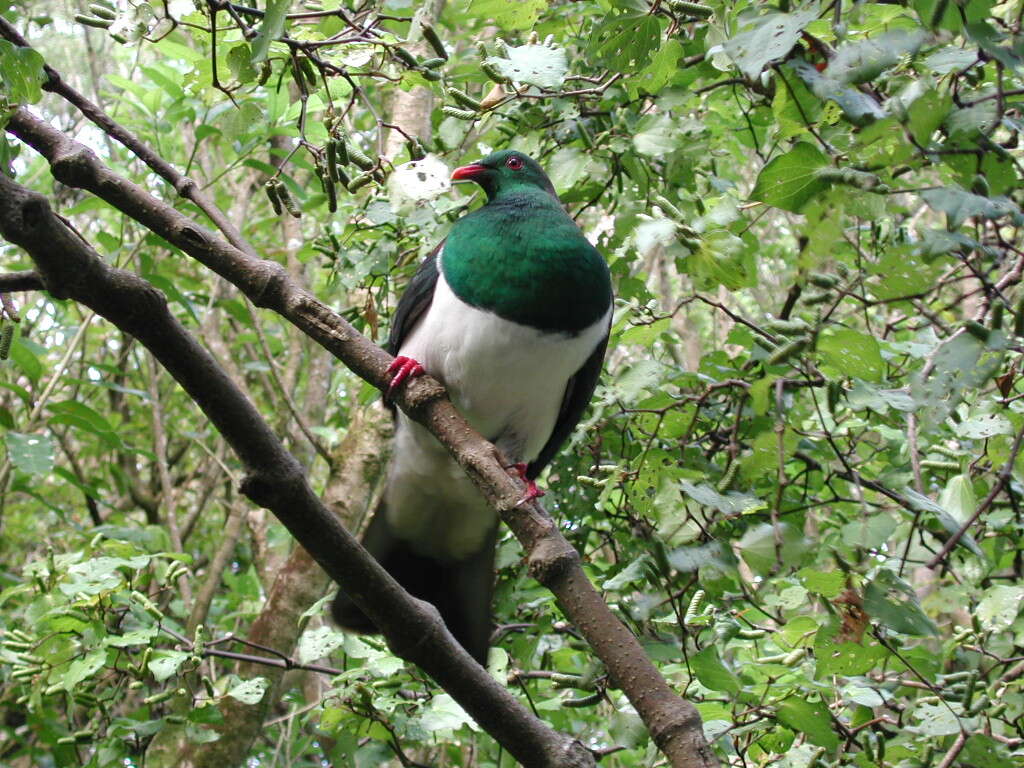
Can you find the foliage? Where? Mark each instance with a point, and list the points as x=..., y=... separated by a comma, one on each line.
x=799, y=480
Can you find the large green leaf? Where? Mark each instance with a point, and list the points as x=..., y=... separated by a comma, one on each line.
x=893, y=603
x=271, y=29
x=31, y=453
x=809, y=717
x=791, y=180
x=852, y=353
x=521, y=14
x=764, y=38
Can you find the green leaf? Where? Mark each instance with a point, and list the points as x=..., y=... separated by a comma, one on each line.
x=443, y=713
x=31, y=453
x=521, y=14
x=870, y=532
x=83, y=668
x=984, y=426
x=317, y=643
x=712, y=673
x=271, y=29
x=660, y=71
x=983, y=751
x=936, y=720
x=860, y=108
x=21, y=73
x=249, y=691
x=808, y=717
x=863, y=60
x=541, y=65
x=730, y=504
x=852, y=353
x=166, y=663
x=789, y=181
x=958, y=498
x=767, y=37
x=960, y=205
x=626, y=42
x=1000, y=606
x=826, y=583
x=892, y=602
x=944, y=518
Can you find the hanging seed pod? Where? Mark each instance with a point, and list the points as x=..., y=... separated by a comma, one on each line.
x=91, y=21
x=308, y=70
x=693, y=610
x=328, y=186
x=433, y=63
x=481, y=49
x=816, y=297
x=430, y=35
x=493, y=73
x=341, y=149
x=584, y=134
x=501, y=47
x=977, y=330
x=360, y=158
x=460, y=114
x=272, y=195
x=431, y=74
x=764, y=343
x=360, y=181
x=343, y=177
x=788, y=327
x=407, y=58
x=787, y=350
x=6, y=339
x=464, y=99
x=332, y=160
x=287, y=201
x=997, y=315
x=102, y=11
x=667, y=205
x=822, y=280
x=265, y=71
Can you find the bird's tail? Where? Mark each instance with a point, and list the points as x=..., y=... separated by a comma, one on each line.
x=460, y=590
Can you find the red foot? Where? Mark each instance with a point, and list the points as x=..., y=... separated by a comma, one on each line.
x=403, y=368
x=532, y=491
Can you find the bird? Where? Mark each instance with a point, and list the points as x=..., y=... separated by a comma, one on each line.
x=511, y=312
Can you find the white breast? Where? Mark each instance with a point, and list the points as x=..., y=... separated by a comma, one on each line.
x=508, y=380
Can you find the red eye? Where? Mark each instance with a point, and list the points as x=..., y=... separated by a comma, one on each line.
x=515, y=163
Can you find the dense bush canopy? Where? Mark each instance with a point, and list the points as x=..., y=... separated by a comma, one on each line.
x=800, y=480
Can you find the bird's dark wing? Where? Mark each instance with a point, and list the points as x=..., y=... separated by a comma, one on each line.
x=414, y=302
x=578, y=392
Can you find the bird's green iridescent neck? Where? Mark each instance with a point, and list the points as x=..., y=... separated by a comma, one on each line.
x=523, y=258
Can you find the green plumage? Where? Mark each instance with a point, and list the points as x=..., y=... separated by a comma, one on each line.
x=520, y=255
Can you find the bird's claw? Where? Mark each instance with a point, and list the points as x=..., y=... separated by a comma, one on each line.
x=532, y=491
x=403, y=368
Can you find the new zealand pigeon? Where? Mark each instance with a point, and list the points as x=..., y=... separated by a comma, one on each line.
x=511, y=312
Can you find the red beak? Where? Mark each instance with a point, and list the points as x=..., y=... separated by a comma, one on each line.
x=469, y=172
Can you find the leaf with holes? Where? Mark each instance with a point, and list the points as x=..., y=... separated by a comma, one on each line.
x=767, y=38
x=30, y=453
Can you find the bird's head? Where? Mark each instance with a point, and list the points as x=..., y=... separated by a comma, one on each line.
x=505, y=172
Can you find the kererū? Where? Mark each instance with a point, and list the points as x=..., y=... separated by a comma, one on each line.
x=511, y=313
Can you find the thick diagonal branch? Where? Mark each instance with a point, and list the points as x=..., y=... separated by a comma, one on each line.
x=71, y=269
x=674, y=723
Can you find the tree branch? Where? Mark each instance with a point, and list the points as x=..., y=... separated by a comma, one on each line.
x=413, y=628
x=673, y=722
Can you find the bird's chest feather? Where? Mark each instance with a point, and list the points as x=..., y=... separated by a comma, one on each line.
x=507, y=379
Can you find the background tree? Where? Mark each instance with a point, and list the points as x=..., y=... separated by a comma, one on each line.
x=799, y=483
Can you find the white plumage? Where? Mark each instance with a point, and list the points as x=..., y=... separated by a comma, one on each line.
x=509, y=381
